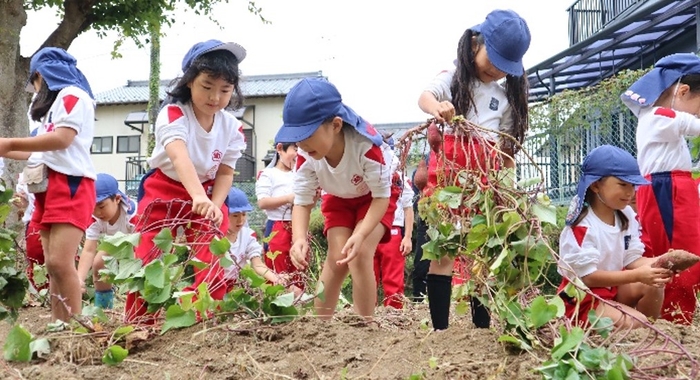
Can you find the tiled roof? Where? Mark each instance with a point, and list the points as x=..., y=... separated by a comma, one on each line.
x=136, y=92
x=398, y=129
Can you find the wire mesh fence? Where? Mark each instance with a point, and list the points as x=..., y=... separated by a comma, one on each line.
x=257, y=217
x=559, y=153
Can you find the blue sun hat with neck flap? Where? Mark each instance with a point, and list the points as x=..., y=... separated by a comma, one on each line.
x=603, y=161
x=59, y=70
x=667, y=71
x=309, y=103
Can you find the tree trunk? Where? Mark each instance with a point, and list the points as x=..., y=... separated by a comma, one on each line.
x=153, y=84
x=14, y=69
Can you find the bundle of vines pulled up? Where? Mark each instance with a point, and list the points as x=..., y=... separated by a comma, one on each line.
x=478, y=211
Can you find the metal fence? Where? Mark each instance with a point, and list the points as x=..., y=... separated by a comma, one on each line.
x=558, y=154
x=257, y=217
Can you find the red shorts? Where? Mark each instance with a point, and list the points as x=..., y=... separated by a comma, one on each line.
x=347, y=212
x=460, y=153
x=72, y=202
x=587, y=304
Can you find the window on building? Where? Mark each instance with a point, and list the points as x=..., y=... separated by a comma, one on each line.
x=245, y=166
x=128, y=144
x=101, y=145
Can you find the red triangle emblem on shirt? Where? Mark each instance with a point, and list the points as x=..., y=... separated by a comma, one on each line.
x=300, y=161
x=661, y=111
x=174, y=113
x=375, y=154
x=579, y=233
x=69, y=102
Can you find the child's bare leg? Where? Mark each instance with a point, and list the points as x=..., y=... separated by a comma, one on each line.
x=60, y=246
x=648, y=300
x=364, y=285
x=621, y=320
x=332, y=274
x=98, y=264
x=443, y=266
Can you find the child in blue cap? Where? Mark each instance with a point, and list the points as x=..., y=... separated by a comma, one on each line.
x=666, y=101
x=197, y=144
x=274, y=189
x=245, y=248
x=487, y=53
x=59, y=163
x=347, y=158
x=601, y=245
x=114, y=212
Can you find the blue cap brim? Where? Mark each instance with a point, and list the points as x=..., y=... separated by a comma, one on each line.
x=295, y=133
x=505, y=65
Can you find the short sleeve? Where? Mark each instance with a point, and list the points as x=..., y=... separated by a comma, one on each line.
x=72, y=111
x=377, y=172
x=635, y=249
x=263, y=185
x=236, y=146
x=305, y=180
x=171, y=125
x=407, y=195
x=577, y=249
x=507, y=125
x=440, y=86
x=94, y=232
x=253, y=248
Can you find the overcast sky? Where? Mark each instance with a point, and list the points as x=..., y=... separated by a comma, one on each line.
x=379, y=53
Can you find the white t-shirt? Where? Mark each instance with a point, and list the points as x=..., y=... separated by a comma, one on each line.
x=241, y=252
x=273, y=182
x=124, y=224
x=494, y=111
x=223, y=145
x=75, y=109
x=364, y=169
x=595, y=245
x=661, y=144
x=406, y=200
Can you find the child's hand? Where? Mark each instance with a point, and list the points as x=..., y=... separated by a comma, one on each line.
x=20, y=201
x=202, y=205
x=351, y=248
x=299, y=253
x=657, y=277
x=406, y=246
x=318, y=194
x=83, y=289
x=444, y=112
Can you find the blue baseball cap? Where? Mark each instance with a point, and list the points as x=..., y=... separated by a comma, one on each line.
x=59, y=70
x=237, y=201
x=507, y=38
x=667, y=71
x=211, y=45
x=604, y=161
x=312, y=101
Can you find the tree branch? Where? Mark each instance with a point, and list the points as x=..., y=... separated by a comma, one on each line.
x=77, y=19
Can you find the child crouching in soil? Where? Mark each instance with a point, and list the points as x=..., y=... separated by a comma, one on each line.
x=601, y=244
x=245, y=247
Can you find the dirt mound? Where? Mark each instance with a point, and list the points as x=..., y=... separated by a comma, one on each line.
x=397, y=346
